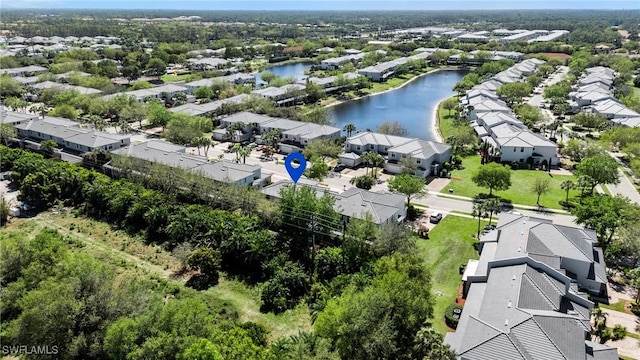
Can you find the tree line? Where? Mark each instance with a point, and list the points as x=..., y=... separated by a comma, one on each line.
x=302, y=253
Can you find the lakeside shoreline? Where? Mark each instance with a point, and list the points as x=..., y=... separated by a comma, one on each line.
x=435, y=124
x=338, y=102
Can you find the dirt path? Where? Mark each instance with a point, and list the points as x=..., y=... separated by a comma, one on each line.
x=105, y=248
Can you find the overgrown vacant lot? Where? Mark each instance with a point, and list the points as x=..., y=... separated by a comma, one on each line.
x=128, y=253
x=521, y=191
x=450, y=244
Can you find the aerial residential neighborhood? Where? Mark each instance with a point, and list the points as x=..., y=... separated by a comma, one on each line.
x=268, y=181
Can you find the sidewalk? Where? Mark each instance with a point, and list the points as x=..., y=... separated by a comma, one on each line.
x=515, y=206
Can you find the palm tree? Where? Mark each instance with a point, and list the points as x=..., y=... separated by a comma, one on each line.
x=243, y=152
x=492, y=205
x=479, y=210
x=349, y=128
x=567, y=185
x=367, y=158
x=377, y=161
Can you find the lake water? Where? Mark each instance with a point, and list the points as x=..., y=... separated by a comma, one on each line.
x=411, y=105
x=295, y=71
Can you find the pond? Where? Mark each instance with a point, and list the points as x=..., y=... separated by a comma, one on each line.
x=295, y=71
x=412, y=105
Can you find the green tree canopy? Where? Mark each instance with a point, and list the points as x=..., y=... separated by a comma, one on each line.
x=408, y=185
x=493, y=176
x=601, y=169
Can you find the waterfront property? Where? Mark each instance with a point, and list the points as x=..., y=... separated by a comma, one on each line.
x=499, y=128
x=384, y=207
x=427, y=156
x=162, y=152
x=529, y=293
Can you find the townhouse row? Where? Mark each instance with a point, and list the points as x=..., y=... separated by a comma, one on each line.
x=498, y=127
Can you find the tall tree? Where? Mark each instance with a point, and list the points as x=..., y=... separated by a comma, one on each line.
x=480, y=211
x=392, y=128
x=605, y=214
x=382, y=320
x=601, y=169
x=408, y=185
x=493, y=176
x=322, y=148
x=349, y=128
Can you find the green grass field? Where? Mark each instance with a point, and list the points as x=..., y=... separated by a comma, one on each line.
x=445, y=121
x=184, y=77
x=450, y=244
x=521, y=185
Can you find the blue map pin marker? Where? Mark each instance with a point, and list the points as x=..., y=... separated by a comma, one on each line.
x=295, y=172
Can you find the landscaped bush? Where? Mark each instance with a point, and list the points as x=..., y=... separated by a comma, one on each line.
x=452, y=315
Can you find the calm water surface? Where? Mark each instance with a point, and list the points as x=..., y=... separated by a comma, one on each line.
x=290, y=70
x=411, y=105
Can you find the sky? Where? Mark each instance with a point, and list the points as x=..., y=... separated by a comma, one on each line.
x=321, y=4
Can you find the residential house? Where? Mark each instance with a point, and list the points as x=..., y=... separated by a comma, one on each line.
x=527, y=297
x=163, y=92
x=428, y=156
x=202, y=109
x=338, y=62
x=69, y=135
x=519, y=145
x=15, y=118
x=284, y=95
x=384, y=207
x=162, y=152
x=63, y=87
x=293, y=140
x=236, y=79
x=202, y=63
x=25, y=71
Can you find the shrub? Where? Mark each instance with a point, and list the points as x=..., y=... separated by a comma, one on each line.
x=452, y=315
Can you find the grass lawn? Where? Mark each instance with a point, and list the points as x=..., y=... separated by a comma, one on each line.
x=247, y=300
x=449, y=245
x=446, y=121
x=521, y=184
x=183, y=77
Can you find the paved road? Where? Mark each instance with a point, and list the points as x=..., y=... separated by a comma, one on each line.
x=625, y=188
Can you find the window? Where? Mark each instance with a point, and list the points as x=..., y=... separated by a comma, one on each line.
x=358, y=148
x=418, y=161
x=521, y=149
x=514, y=149
x=393, y=155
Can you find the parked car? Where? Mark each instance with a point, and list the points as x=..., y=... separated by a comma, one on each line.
x=339, y=167
x=435, y=217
